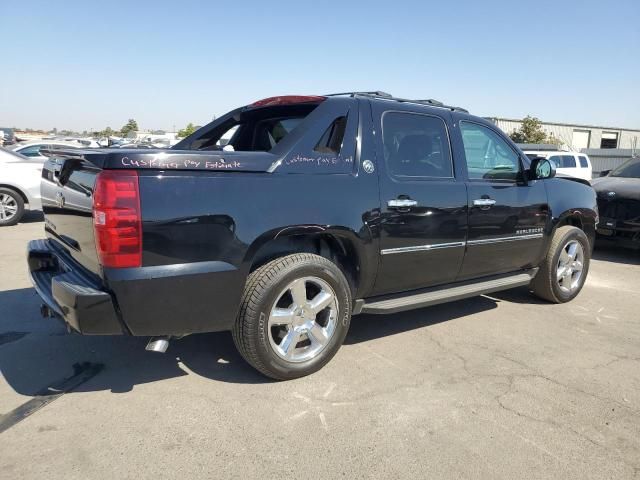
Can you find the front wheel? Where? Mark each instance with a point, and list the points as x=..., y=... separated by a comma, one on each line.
x=294, y=316
x=564, y=269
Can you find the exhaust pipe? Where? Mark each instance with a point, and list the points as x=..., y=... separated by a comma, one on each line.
x=158, y=344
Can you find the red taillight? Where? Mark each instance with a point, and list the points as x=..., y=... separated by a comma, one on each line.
x=117, y=218
x=288, y=100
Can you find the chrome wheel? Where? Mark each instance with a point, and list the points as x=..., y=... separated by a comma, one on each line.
x=303, y=319
x=8, y=207
x=570, y=266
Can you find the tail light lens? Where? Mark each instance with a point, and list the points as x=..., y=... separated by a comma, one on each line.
x=117, y=218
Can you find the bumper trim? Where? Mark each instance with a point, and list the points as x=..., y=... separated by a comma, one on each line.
x=80, y=303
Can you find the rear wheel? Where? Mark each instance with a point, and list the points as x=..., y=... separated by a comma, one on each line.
x=11, y=207
x=294, y=316
x=564, y=270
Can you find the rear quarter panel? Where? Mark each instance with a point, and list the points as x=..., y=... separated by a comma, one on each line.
x=201, y=231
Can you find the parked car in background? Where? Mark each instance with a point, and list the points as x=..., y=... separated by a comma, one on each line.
x=32, y=149
x=19, y=186
x=573, y=164
x=7, y=136
x=618, y=194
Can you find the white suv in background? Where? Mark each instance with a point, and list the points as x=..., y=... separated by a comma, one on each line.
x=573, y=164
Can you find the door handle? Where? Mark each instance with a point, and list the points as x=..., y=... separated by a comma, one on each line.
x=401, y=203
x=484, y=202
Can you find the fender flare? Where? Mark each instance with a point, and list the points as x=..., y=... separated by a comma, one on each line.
x=366, y=264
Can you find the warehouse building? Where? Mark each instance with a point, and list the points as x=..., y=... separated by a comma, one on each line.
x=579, y=137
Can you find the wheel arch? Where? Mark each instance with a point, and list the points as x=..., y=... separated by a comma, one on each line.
x=18, y=190
x=340, y=245
x=576, y=218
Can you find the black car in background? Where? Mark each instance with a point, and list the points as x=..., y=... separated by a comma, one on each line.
x=7, y=136
x=619, y=204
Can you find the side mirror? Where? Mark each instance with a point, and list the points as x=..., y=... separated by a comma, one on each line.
x=542, y=168
x=604, y=173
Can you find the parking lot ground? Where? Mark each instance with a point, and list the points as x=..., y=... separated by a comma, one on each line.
x=500, y=386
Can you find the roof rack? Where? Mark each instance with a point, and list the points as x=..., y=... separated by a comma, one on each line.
x=387, y=96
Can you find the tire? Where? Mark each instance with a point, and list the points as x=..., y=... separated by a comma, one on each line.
x=549, y=284
x=11, y=207
x=283, y=338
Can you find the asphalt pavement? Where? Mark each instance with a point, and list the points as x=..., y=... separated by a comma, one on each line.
x=500, y=386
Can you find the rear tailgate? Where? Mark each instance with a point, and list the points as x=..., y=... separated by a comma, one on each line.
x=67, y=202
x=69, y=177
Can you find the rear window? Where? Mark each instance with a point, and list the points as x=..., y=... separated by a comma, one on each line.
x=253, y=130
x=584, y=163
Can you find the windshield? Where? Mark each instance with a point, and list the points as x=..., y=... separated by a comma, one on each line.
x=630, y=169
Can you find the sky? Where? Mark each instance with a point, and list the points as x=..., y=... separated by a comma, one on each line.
x=74, y=65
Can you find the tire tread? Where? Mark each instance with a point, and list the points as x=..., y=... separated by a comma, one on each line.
x=258, y=284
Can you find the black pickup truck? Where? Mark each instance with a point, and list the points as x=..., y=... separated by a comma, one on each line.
x=282, y=219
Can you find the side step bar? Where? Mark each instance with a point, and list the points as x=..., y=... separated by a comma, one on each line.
x=434, y=296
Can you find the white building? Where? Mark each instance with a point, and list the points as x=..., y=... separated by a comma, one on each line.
x=579, y=137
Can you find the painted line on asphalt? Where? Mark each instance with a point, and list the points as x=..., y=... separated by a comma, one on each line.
x=81, y=373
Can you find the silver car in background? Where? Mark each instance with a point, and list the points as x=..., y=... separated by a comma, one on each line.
x=19, y=186
x=32, y=149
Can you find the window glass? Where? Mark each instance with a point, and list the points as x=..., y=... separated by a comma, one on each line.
x=629, y=169
x=568, y=161
x=274, y=130
x=252, y=130
x=583, y=162
x=416, y=145
x=31, y=151
x=489, y=157
x=557, y=160
x=227, y=136
x=564, y=161
x=331, y=141
x=609, y=140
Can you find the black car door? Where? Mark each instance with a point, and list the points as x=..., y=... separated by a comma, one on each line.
x=507, y=213
x=423, y=219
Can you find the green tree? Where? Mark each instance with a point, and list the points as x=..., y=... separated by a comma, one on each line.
x=131, y=126
x=186, y=131
x=531, y=131
x=107, y=132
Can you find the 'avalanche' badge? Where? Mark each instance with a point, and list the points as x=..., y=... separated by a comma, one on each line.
x=367, y=166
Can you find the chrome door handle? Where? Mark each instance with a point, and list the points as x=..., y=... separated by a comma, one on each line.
x=484, y=202
x=401, y=203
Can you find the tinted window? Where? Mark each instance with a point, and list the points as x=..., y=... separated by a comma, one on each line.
x=568, y=161
x=489, y=157
x=331, y=141
x=564, y=161
x=630, y=169
x=583, y=162
x=270, y=132
x=416, y=145
x=227, y=136
x=31, y=151
x=251, y=130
